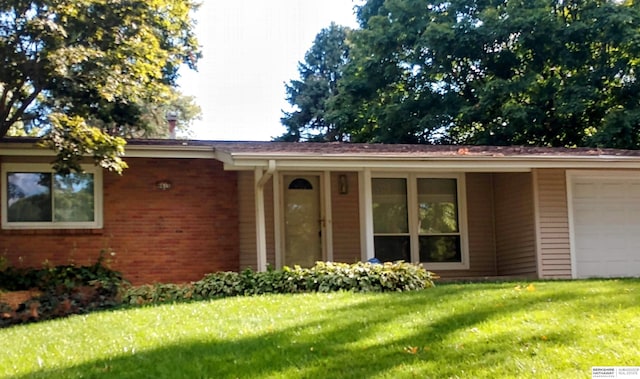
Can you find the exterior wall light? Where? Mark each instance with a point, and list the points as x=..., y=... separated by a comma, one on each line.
x=343, y=184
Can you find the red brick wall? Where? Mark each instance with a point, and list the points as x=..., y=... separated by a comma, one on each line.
x=176, y=235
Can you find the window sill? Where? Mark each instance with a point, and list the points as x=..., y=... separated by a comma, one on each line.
x=431, y=266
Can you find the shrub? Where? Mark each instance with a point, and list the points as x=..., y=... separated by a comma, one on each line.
x=58, y=278
x=323, y=277
x=157, y=293
x=59, y=291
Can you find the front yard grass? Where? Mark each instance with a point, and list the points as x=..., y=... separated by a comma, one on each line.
x=480, y=330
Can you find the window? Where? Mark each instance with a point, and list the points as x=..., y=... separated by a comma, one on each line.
x=417, y=218
x=35, y=197
x=390, y=222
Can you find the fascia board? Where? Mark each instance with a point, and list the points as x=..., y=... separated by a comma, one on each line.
x=202, y=152
x=131, y=151
x=22, y=150
x=484, y=164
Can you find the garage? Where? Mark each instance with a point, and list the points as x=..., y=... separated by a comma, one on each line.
x=605, y=223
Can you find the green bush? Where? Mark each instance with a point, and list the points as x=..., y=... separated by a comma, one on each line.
x=61, y=291
x=323, y=277
x=59, y=278
x=157, y=293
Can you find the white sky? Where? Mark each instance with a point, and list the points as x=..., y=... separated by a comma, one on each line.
x=251, y=48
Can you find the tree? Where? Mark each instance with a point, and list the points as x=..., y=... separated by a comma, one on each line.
x=310, y=95
x=533, y=72
x=84, y=70
x=154, y=115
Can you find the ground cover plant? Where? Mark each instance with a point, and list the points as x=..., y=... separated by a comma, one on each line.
x=35, y=294
x=483, y=330
x=322, y=277
x=38, y=294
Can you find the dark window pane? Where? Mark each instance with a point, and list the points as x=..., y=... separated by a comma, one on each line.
x=301, y=184
x=440, y=249
x=73, y=198
x=29, y=197
x=437, y=205
x=392, y=248
x=389, y=205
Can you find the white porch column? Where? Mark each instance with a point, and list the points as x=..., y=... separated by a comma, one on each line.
x=366, y=214
x=260, y=179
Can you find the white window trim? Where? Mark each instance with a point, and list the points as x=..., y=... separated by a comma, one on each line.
x=412, y=201
x=43, y=167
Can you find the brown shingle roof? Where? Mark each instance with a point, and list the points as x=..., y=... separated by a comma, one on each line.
x=324, y=149
x=364, y=150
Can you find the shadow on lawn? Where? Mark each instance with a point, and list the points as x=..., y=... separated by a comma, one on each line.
x=328, y=347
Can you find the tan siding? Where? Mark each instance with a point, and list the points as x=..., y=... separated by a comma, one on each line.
x=346, y=219
x=246, y=211
x=247, y=214
x=515, y=224
x=480, y=228
x=553, y=224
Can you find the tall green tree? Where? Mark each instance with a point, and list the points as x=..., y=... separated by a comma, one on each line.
x=84, y=70
x=318, y=84
x=534, y=72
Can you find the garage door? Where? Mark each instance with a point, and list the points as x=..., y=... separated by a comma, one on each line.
x=606, y=225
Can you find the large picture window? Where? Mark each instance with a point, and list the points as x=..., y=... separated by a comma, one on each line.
x=417, y=218
x=35, y=197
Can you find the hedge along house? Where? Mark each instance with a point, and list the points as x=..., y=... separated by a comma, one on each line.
x=186, y=208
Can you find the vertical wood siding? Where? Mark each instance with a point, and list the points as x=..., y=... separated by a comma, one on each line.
x=247, y=224
x=247, y=216
x=346, y=219
x=515, y=224
x=480, y=228
x=553, y=224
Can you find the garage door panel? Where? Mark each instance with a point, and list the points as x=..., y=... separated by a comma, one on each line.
x=606, y=226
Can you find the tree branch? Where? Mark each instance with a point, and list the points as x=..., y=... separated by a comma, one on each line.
x=18, y=113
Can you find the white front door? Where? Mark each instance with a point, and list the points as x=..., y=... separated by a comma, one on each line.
x=302, y=220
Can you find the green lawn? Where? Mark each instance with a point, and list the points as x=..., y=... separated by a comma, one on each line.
x=546, y=329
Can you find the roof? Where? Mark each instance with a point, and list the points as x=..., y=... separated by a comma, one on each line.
x=240, y=155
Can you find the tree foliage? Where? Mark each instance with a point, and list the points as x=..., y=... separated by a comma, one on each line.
x=318, y=84
x=96, y=63
x=534, y=72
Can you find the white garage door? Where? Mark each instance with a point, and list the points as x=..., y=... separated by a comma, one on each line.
x=606, y=225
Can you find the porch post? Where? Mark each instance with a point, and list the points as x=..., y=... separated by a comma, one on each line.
x=366, y=215
x=260, y=180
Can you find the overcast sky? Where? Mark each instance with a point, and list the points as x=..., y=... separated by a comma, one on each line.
x=251, y=49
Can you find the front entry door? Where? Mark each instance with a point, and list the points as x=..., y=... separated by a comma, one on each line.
x=302, y=220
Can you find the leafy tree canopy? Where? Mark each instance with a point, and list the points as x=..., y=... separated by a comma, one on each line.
x=532, y=72
x=85, y=71
x=318, y=84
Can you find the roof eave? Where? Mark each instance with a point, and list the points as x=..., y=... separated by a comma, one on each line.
x=131, y=151
x=450, y=163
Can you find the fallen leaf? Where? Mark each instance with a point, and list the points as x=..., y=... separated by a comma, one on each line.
x=411, y=349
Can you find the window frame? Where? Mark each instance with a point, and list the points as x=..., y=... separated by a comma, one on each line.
x=413, y=216
x=97, y=222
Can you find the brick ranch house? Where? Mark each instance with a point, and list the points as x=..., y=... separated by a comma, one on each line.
x=187, y=208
